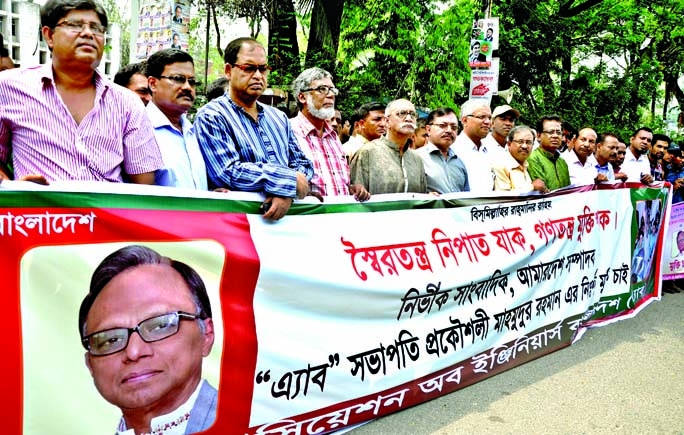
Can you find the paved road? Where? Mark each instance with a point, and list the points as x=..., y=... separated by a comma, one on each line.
x=625, y=378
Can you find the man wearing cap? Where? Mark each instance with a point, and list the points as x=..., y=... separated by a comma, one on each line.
x=671, y=151
x=503, y=121
x=477, y=156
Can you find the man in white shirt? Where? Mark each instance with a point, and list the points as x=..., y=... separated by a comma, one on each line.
x=636, y=164
x=171, y=78
x=580, y=160
x=477, y=156
x=503, y=121
x=370, y=123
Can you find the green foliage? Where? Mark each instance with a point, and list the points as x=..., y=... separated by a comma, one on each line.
x=404, y=49
x=601, y=64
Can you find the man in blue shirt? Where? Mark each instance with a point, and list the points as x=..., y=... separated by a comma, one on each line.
x=171, y=79
x=249, y=146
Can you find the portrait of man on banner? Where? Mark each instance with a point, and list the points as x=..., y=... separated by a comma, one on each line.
x=150, y=338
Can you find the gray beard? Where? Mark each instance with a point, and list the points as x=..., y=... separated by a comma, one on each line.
x=324, y=114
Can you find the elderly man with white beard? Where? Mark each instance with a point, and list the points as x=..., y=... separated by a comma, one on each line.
x=315, y=93
x=387, y=165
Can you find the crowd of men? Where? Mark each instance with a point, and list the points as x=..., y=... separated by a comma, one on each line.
x=65, y=121
x=69, y=123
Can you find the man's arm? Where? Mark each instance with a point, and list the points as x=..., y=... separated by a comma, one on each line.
x=502, y=179
x=145, y=178
x=141, y=154
x=359, y=169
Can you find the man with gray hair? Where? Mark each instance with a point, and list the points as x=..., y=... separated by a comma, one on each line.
x=476, y=117
x=315, y=94
x=146, y=325
x=387, y=165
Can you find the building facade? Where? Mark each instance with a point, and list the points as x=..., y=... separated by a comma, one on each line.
x=20, y=26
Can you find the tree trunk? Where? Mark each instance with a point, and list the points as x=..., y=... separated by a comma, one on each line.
x=324, y=35
x=282, y=41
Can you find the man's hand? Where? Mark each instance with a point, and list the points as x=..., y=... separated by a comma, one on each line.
x=278, y=207
x=360, y=193
x=302, y=186
x=601, y=178
x=35, y=178
x=539, y=186
x=646, y=178
x=621, y=176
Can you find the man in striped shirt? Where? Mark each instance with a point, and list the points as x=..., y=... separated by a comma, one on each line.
x=249, y=146
x=65, y=121
x=315, y=94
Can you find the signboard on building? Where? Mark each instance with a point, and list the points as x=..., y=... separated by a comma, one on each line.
x=162, y=24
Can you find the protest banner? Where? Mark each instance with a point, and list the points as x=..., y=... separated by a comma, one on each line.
x=673, y=247
x=337, y=314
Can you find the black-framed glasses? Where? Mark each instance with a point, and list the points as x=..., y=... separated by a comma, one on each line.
x=445, y=125
x=150, y=330
x=180, y=80
x=251, y=68
x=402, y=114
x=553, y=132
x=325, y=90
x=79, y=26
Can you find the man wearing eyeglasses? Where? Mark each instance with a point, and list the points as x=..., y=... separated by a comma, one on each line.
x=146, y=326
x=171, y=78
x=63, y=120
x=315, y=94
x=510, y=169
x=388, y=165
x=477, y=155
x=545, y=162
x=445, y=172
x=249, y=146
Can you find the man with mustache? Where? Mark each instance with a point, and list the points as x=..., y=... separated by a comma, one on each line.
x=445, y=172
x=388, y=165
x=247, y=145
x=171, y=79
x=503, y=120
x=146, y=325
x=64, y=120
x=656, y=156
x=581, y=165
x=368, y=123
x=477, y=155
x=510, y=171
x=545, y=161
x=315, y=94
x=606, y=152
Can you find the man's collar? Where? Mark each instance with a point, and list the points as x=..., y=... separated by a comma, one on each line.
x=159, y=119
x=309, y=127
x=551, y=156
x=178, y=418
